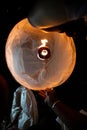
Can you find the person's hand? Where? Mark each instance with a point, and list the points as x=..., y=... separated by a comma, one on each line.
x=49, y=96
x=42, y=93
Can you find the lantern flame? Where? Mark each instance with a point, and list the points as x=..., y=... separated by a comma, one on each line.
x=44, y=41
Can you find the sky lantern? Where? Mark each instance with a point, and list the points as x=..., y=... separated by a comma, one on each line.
x=37, y=59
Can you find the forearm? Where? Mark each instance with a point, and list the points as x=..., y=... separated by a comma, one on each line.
x=73, y=119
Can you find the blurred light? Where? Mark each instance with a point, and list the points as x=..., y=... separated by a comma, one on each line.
x=43, y=51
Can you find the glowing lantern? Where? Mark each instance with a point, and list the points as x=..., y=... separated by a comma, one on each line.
x=39, y=60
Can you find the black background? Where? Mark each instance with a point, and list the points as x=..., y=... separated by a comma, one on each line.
x=11, y=12
x=74, y=90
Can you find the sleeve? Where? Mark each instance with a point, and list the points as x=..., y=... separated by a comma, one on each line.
x=73, y=119
x=16, y=108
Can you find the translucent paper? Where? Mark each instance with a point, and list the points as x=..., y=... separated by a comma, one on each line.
x=31, y=70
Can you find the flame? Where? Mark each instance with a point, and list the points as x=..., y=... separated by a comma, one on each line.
x=44, y=41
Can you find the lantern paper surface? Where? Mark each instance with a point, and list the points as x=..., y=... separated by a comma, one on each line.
x=39, y=60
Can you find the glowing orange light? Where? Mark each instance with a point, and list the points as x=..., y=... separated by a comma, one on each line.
x=39, y=60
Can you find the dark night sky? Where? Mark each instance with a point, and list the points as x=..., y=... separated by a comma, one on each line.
x=11, y=13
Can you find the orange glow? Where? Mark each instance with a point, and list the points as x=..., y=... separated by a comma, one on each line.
x=51, y=68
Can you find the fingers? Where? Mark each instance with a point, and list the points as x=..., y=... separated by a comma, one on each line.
x=46, y=93
x=50, y=92
x=42, y=93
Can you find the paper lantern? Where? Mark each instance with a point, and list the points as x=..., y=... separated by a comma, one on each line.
x=39, y=60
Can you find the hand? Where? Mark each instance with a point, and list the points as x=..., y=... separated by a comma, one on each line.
x=50, y=97
x=42, y=93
